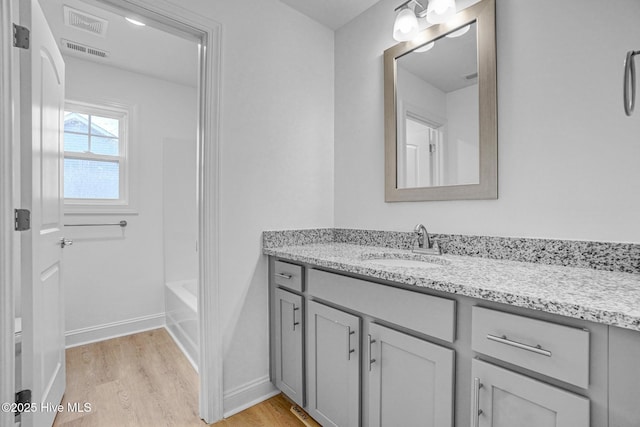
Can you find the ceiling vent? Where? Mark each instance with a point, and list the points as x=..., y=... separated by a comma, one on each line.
x=83, y=49
x=83, y=21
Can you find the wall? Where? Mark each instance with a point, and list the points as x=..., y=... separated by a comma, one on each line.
x=114, y=276
x=462, y=140
x=568, y=156
x=276, y=159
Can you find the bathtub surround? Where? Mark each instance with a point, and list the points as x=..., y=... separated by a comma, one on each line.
x=605, y=256
x=181, y=301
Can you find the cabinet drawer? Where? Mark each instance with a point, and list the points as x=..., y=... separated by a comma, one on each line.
x=561, y=352
x=288, y=275
x=426, y=314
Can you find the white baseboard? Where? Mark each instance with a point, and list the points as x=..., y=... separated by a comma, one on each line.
x=113, y=330
x=247, y=395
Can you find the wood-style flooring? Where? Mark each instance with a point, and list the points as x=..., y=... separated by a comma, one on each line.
x=144, y=380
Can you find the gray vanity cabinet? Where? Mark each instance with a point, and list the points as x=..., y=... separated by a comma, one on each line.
x=503, y=398
x=410, y=380
x=289, y=326
x=333, y=366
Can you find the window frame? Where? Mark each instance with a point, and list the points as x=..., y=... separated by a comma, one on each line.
x=124, y=204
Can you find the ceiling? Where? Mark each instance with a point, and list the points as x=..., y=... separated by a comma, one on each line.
x=331, y=13
x=144, y=50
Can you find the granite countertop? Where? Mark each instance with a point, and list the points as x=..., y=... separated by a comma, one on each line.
x=607, y=297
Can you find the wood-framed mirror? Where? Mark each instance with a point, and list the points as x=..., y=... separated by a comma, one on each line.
x=441, y=136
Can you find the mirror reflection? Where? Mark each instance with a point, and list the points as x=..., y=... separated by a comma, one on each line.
x=438, y=112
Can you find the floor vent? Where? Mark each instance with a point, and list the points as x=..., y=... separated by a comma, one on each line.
x=83, y=21
x=78, y=48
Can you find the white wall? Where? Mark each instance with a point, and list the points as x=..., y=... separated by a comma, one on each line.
x=276, y=157
x=568, y=156
x=462, y=147
x=110, y=275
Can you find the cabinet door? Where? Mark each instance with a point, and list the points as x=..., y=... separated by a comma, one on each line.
x=502, y=398
x=411, y=381
x=333, y=356
x=288, y=330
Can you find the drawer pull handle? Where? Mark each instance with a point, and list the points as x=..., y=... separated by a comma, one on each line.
x=476, y=402
x=504, y=340
x=284, y=276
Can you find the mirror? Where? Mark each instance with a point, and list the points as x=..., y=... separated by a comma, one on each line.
x=441, y=111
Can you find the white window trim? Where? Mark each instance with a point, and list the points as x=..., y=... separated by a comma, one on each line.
x=126, y=203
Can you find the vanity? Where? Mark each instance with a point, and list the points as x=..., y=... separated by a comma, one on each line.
x=365, y=333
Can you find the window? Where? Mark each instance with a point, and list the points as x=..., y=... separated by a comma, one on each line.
x=95, y=158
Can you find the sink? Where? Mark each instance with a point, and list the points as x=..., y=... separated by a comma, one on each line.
x=407, y=260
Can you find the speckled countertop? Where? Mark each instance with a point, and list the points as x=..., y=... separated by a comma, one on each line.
x=607, y=297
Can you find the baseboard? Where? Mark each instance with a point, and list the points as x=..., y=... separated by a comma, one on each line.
x=113, y=330
x=247, y=395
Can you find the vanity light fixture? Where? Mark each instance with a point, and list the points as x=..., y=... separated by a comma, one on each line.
x=440, y=11
x=405, y=27
x=135, y=21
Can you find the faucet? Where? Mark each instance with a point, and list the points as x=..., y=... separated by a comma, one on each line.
x=424, y=244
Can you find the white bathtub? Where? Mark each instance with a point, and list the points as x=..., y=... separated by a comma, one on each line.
x=181, y=300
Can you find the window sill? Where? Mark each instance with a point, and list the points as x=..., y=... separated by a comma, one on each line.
x=99, y=210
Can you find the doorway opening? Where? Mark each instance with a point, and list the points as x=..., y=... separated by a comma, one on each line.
x=205, y=36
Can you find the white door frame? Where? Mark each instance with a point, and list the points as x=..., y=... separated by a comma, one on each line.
x=211, y=353
x=7, y=314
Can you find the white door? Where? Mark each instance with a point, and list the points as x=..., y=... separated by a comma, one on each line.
x=41, y=115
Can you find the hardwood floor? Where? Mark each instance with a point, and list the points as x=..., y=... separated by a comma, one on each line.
x=139, y=380
x=270, y=413
x=144, y=380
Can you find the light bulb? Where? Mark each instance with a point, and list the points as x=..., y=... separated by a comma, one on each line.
x=440, y=11
x=405, y=27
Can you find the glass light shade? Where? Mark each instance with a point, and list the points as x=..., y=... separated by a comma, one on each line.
x=440, y=11
x=405, y=27
x=425, y=48
x=457, y=33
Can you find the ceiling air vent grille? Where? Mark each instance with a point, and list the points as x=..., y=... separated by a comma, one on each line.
x=83, y=21
x=78, y=48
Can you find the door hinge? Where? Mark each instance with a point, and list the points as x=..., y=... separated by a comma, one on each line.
x=22, y=219
x=20, y=37
x=23, y=399
x=432, y=148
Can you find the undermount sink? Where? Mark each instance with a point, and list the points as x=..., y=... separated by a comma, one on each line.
x=405, y=260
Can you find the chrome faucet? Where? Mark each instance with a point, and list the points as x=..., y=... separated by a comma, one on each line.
x=424, y=245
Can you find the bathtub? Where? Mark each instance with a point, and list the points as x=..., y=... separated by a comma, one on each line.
x=181, y=300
